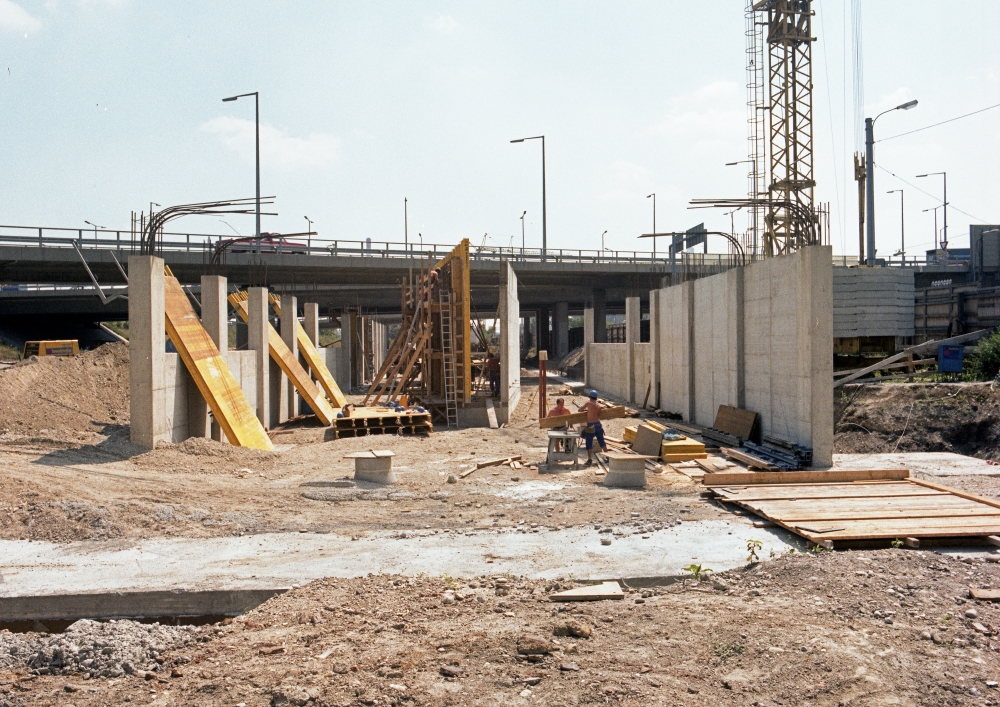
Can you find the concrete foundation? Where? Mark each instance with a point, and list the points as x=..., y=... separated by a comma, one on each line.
x=625, y=471
x=374, y=467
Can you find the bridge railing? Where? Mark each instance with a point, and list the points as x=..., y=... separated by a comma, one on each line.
x=127, y=242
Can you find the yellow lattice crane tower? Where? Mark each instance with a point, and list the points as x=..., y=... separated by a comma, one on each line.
x=784, y=27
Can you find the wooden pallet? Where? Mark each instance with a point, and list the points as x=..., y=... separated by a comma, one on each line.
x=825, y=513
x=377, y=421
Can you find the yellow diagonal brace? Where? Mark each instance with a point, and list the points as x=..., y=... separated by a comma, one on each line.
x=314, y=360
x=208, y=368
x=282, y=355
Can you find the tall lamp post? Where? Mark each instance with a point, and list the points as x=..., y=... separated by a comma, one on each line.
x=544, y=232
x=944, y=204
x=934, y=209
x=256, y=111
x=522, y=233
x=95, y=228
x=870, y=178
x=902, y=224
x=602, y=242
x=654, y=222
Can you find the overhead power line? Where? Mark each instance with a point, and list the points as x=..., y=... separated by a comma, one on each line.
x=933, y=196
x=950, y=120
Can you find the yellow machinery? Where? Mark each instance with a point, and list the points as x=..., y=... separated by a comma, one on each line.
x=65, y=347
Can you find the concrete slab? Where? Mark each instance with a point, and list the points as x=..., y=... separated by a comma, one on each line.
x=930, y=463
x=284, y=559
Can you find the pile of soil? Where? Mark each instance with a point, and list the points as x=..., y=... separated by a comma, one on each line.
x=918, y=417
x=873, y=628
x=67, y=399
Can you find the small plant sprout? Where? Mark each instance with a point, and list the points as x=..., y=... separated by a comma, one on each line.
x=897, y=543
x=697, y=571
x=752, y=547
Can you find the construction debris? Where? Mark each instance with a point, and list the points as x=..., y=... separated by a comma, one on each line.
x=596, y=592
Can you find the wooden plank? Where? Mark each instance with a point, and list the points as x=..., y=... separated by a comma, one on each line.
x=955, y=492
x=491, y=414
x=312, y=358
x=647, y=441
x=297, y=376
x=209, y=371
x=579, y=418
x=833, y=505
x=806, y=477
x=984, y=594
x=899, y=528
x=736, y=421
x=751, y=461
x=912, y=514
x=863, y=489
x=498, y=462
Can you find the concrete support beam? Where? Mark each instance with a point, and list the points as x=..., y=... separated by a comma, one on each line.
x=588, y=338
x=147, y=347
x=289, y=334
x=633, y=317
x=257, y=323
x=542, y=327
x=600, y=318
x=215, y=319
x=310, y=312
x=346, y=366
x=654, y=340
x=560, y=321
x=510, y=344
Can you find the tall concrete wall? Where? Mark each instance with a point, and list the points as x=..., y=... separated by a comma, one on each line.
x=872, y=302
x=759, y=337
x=510, y=344
x=179, y=390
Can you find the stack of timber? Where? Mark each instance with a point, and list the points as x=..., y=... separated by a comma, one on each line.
x=733, y=426
x=647, y=439
x=826, y=507
x=784, y=455
x=382, y=421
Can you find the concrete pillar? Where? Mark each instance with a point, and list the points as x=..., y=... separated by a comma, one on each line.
x=146, y=348
x=310, y=312
x=289, y=334
x=257, y=333
x=560, y=321
x=544, y=343
x=588, y=338
x=633, y=317
x=654, y=341
x=346, y=366
x=215, y=319
x=600, y=318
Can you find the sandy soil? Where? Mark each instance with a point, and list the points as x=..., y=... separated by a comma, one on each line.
x=884, y=627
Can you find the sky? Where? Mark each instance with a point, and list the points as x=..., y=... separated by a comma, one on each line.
x=108, y=105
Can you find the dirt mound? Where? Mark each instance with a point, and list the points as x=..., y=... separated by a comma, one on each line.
x=918, y=417
x=66, y=399
x=202, y=454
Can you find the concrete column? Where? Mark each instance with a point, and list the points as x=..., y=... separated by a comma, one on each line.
x=542, y=327
x=257, y=333
x=310, y=311
x=289, y=333
x=633, y=316
x=146, y=348
x=654, y=341
x=560, y=320
x=346, y=366
x=600, y=318
x=588, y=338
x=215, y=319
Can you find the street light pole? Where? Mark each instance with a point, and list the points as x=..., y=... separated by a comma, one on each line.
x=870, y=178
x=934, y=209
x=602, y=242
x=522, y=233
x=902, y=223
x=309, y=229
x=256, y=112
x=654, y=221
x=944, y=204
x=544, y=231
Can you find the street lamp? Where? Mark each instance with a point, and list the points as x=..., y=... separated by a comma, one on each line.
x=870, y=177
x=944, y=241
x=902, y=227
x=309, y=229
x=256, y=110
x=934, y=209
x=522, y=233
x=732, y=222
x=654, y=221
x=95, y=228
x=602, y=242
x=406, y=224
x=544, y=232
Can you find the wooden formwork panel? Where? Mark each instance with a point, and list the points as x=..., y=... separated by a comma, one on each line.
x=209, y=371
x=290, y=366
x=869, y=510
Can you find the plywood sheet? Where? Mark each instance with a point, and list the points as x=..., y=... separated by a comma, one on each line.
x=209, y=371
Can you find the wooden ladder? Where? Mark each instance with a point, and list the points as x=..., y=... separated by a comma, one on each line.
x=448, y=359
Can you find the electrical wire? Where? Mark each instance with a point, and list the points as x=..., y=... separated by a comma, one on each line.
x=933, y=196
x=950, y=120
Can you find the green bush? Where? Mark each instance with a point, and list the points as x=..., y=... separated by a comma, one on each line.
x=985, y=363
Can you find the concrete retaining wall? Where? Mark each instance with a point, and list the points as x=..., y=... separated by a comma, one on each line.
x=717, y=311
x=872, y=302
x=607, y=369
x=643, y=367
x=181, y=392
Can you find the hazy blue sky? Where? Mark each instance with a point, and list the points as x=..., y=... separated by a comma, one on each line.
x=107, y=105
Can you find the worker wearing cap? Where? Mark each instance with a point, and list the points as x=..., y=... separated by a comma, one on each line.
x=594, y=428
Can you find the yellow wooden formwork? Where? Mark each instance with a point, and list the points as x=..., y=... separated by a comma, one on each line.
x=313, y=359
x=208, y=368
x=282, y=355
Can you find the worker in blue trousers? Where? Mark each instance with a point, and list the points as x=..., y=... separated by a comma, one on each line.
x=594, y=427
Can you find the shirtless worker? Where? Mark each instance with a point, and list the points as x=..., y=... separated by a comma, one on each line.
x=594, y=428
x=558, y=411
